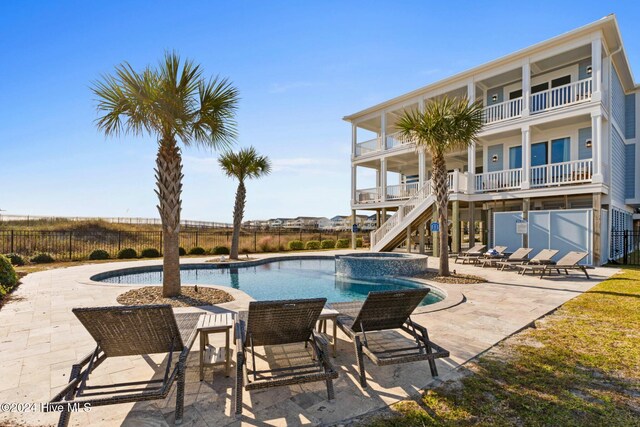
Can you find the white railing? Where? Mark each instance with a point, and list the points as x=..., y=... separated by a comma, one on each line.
x=502, y=111
x=397, y=139
x=366, y=147
x=402, y=191
x=571, y=172
x=403, y=210
x=560, y=96
x=369, y=195
x=500, y=180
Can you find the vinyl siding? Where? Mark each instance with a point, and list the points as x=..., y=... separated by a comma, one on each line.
x=630, y=116
x=499, y=92
x=618, y=100
x=584, y=152
x=582, y=69
x=618, y=172
x=496, y=150
x=630, y=171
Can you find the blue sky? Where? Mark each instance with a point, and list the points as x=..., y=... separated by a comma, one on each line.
x=300, y=67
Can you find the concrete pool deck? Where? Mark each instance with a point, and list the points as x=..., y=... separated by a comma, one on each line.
x=40, y=339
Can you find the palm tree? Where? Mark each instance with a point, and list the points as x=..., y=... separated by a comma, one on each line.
x=445, y=125
x=174, y=103
x=245, y=164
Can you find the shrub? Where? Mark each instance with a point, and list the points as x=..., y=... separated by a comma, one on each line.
x=296, y=245
x=197, y=251
x=328, y=244
x=99, y=254
x=266, y=244
x=312, y=244
x=220, y=250
x=127, y=253
x=359, y=242
x=42, y=259
x=343, y=243
x=150, y=253
x=181, y=251
x=281, y=248
x=8, y=276
x=16, y=259
x=245, y=251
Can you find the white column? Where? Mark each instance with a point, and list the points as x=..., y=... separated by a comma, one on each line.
x=421, y=168
x=383, y=180
x=456, y=181
x=382, y=143
x=485, y=160
x=471, y=168
x=471, y=91
x=526, y=87
x=596, y=69
x=526, y=158
x=596, y=146
x=354, y=139
x=353, y=184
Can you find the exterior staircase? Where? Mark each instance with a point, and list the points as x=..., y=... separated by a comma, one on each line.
x=412, y=213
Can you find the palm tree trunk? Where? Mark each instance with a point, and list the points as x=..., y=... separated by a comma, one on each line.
x=440, y=184
x=169, y=181
x=238, y=213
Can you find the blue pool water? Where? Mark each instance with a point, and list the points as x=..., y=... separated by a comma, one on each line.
x=290, y=279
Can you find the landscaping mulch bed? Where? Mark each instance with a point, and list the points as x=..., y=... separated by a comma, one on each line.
x=454, y=278
x=189, y=297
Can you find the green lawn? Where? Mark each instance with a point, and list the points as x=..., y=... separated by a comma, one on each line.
x=579, y=366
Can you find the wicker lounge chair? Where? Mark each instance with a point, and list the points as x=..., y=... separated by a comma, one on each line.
x=487, y=258
x=383, y=311
x=568, y=262
x=269, y=323
x=542, y=258
x=520, y=256
x=472, y=253
x=129, y=331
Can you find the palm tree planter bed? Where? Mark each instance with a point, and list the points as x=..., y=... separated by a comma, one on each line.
x=189, y=297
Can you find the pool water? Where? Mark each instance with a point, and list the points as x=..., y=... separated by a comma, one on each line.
x=290, y=279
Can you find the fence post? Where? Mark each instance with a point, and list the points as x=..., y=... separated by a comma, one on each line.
x=278, y=240
x=70, y=245
x=300, y=234
x=160, y=248
x=625, y=247
x=119, y=240
x=12, y=251
x=196, y=237
x=255, y=241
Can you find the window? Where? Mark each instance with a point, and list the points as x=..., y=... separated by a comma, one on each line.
x=561, y=81
x=539, y=154
x=515, y=94
x=515, y=157
x=560, y=150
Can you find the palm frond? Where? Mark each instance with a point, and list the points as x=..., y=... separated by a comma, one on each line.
x=244, y=164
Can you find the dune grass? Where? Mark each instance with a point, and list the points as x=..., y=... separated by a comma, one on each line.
x=579, y=366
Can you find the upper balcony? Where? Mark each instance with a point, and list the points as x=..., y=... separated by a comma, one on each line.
x=526, y=89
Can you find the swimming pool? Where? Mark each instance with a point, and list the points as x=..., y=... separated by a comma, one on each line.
x=285, y=279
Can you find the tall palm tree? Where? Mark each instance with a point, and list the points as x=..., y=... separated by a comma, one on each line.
x=174, y=103
x=245, y=164
x=445, y=125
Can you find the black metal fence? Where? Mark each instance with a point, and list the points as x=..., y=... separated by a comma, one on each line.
x=74, y=245
x=625, y=247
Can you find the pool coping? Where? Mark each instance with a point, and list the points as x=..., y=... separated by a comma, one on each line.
x=452, y=296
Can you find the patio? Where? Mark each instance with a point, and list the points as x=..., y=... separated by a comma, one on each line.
x=40, y=339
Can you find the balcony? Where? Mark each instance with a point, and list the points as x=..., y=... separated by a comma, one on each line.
x=550, y=175
x=550, y=99
x=368, y=147
x=457, y=182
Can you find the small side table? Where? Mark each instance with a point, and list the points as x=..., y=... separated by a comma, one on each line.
x=329, y=314
x=209, y=355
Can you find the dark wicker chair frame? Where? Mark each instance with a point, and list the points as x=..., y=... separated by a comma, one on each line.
x=568, y=262
x=129, y=331
x=283, y=322
x=388, y=310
